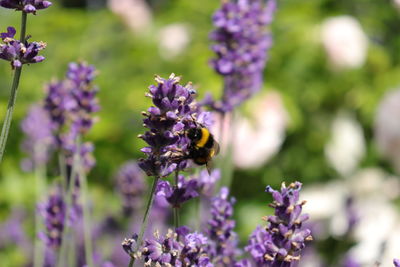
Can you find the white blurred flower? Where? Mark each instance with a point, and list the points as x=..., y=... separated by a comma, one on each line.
x=263, y=138
x=378, y=220
x=347, y=146
x=387, y=127
x=344, y=41
x=135, y=13
x=173, y=40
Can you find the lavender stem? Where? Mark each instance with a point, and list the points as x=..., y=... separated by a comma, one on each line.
x=86, y=218
x=145, y=218
x=68, y=203
x=13, y=96
x=40, y=182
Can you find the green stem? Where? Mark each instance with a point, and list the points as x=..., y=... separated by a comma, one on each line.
x=145, y=218
x=40, y=182
x=13, y=96
x=68, y=203
x=86, y=218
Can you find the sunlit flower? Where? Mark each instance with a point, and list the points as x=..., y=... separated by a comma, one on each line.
x=28, y=6
x=281, y=242
x=19, y=53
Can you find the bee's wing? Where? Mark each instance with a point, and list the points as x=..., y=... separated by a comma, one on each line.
x=209, y=167
x=215, y=148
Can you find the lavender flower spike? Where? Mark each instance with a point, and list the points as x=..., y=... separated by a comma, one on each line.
x=53, y=212
x=17, y=52
x=184, y=191
x=167, y=121
x=221, y=224
x=131, y=185
x=280, y=243
x=396, y=262
x=27, y=6
x=38, y=131
x=241, y=45
x=179, y=249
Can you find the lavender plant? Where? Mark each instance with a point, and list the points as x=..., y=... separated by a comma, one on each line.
x=54, y=215
x=280, y=243
x=131, y=185
x=241, y=43
x=220, y=230
x=18, y=52
x=180, y=248
x=167, y=121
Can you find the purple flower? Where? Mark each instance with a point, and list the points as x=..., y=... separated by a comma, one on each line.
x=350, y=261
x=17, y=52
x=167, y=121
x=131, y=185
x=162, y=250
x=54, y=213
x=396, y=262
x=206, y=182
x=194, y=251
x=280, y=243
x=28, y=6
x=38, y=131
x=176, y=195
x=181, y=249
x=71, y=104
x=220, y=229
x=243, y=263
x=241, y=45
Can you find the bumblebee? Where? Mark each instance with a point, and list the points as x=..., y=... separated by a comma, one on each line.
x=203, y=146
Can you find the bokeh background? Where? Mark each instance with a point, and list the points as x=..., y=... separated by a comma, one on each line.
x=328, y=114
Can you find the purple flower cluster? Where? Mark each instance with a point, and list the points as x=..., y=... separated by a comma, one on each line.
x=53, y=212
x=396, y=262
x=172, y=114
x=71, y=104
x=241, y=45
x=280, y=243
x=180, y=249
x=182, y=192
x=27, y=6
x=17, y=52
x=220, y=230
x=37, y=129
x=131, y=185
x=187, y=189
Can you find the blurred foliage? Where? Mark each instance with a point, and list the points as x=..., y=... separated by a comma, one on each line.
x=298, y=68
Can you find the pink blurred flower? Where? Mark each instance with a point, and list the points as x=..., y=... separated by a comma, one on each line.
x=135, y=13
x=344, y=41
x=261, y=135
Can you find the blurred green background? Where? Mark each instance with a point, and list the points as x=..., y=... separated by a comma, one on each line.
x=313, y=92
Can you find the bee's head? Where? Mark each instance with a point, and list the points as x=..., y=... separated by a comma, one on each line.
x=194, y=134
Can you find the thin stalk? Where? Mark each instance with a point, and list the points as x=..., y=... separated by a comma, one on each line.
x=145, y=218
x=40, y=182
x=13, y=95
x=86, y=218
x=68, y=203
x=176, y=209
x=63, y=171
x=226, y=161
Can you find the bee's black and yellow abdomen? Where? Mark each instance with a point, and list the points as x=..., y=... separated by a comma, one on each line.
x=203, y=146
